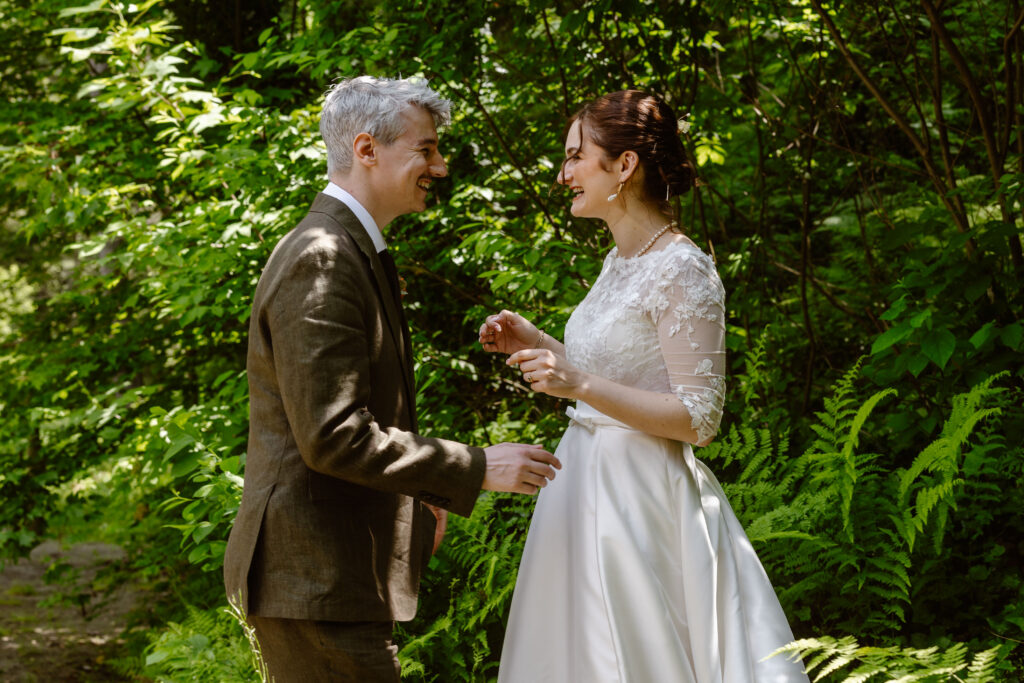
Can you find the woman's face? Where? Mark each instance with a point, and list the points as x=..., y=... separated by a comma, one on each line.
x=585, y=175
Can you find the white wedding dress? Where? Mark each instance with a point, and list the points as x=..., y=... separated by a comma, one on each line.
x=636, y=569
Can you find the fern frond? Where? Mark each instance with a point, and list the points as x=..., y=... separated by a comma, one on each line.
x=825, y=656
x=983, y=665
x=754, y=365
x=942, y=458
x=850, y=471
x=761, y=451
x=966, y=404
x=827, y=438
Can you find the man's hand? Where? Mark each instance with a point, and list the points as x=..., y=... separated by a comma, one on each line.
x=441, y=515
x=519, y=468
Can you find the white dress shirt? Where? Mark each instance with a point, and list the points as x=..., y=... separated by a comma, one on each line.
x=361, y=213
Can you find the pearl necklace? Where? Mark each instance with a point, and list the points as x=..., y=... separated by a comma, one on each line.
x=650, y=243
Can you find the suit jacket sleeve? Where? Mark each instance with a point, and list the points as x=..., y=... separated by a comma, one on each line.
x=320, y=323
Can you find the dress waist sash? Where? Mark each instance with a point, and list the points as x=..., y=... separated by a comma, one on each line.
x=590, y=418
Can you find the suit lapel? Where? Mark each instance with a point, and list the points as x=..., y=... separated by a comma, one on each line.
x=392, y=312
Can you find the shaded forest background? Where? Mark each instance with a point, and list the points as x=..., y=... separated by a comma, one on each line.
x=862, y=190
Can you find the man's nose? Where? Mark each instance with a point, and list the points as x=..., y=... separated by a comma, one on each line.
x=438, y=168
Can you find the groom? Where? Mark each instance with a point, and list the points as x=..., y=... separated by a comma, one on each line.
x=342, y=497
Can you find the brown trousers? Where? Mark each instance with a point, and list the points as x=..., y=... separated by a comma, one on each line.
x=301, y=651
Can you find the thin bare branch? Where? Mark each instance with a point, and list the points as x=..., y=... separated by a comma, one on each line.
x=933, y=173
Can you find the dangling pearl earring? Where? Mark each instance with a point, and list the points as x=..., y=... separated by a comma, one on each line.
x=615, y=194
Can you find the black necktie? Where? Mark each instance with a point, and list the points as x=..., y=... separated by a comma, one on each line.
x=392, y=273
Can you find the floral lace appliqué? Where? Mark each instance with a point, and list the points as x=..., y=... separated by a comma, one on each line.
x=705, y=404
x=657, y=323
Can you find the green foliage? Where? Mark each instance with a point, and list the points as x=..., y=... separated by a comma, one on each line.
x=860, y=204
x=837, y=525
x=827, y=656
x=205, y=646
x=458, y=633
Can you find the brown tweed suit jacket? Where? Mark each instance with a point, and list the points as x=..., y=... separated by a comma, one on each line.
x=331, y=526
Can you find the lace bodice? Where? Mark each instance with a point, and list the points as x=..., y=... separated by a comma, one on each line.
x=657, y=322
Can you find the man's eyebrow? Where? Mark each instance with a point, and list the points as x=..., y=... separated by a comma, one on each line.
x=426, y=141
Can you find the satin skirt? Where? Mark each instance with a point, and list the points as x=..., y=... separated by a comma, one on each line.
x=636, y=570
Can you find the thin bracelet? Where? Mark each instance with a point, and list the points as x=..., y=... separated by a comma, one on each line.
x=540, y=340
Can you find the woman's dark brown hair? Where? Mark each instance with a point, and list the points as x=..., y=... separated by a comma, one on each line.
x=631, y=120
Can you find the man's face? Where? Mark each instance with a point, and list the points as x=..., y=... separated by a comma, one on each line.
x=408, y=166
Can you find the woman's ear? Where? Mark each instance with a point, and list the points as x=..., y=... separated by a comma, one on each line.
x=364, y=149
x=627, y=163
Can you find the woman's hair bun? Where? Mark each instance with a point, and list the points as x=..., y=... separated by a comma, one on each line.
x=638, y=121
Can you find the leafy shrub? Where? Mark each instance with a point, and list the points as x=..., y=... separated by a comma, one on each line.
x=148, y=173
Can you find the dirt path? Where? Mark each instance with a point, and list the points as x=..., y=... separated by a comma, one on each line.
x=57, y=643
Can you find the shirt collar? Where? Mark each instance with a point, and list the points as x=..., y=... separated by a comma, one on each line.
x=361, y=213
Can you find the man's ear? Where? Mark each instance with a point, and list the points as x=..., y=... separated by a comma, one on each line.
x=364, y=149
x=627, y=163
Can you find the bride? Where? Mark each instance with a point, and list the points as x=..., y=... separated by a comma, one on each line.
x=635, y=567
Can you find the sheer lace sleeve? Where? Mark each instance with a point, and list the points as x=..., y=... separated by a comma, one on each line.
x=687, y=303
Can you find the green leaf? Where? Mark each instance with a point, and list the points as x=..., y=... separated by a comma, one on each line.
x=70, y=35
x=939, y=345
x=917, y=363
x=204, y=121
x=202, y=531
x=185, y=464
x=919, y=319
x=975, y=289
x=82, y=9
x=893, y=335
x=198, y=641
x=198, y=553
x=896, y=310
x=1011, y=335
x=546, y=281
x=178, y=442
x=982, y=336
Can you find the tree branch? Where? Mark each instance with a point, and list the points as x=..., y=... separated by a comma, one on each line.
x=933, y=174
x=558, y=63
x=508, y=153
x=995, y=157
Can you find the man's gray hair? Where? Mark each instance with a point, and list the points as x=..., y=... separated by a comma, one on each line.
x=372, y=105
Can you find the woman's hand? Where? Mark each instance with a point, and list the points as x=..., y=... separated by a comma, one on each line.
x=549, y=373
x=508, y=332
